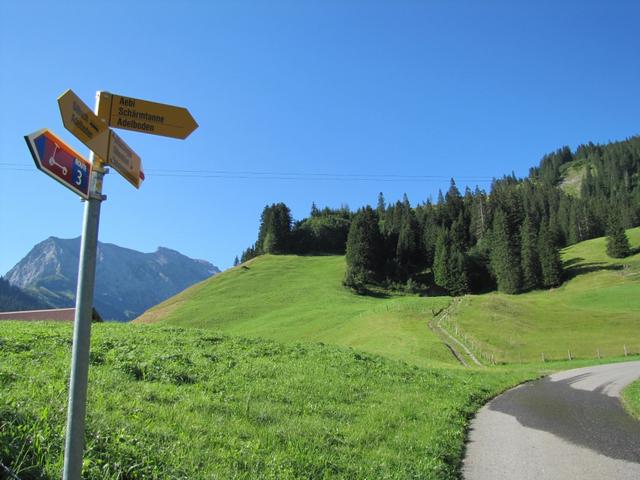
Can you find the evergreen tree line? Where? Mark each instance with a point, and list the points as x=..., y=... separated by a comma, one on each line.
x=475, y=241
x=323, y=232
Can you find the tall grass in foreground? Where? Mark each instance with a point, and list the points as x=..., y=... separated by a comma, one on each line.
x=186, y=403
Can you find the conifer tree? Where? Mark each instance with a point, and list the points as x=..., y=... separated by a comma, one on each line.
x=441, y=258
x=453, y=203
x=236, y=261
x=275, y=229
x=407, y=246
x=269, y=243
x=550, y=262
x=457, y=278
x=505, y=258
x=450, y=266
x=429, y=238
x=363, y=249
x=529, y=258
x=380, y=208
x=617, y=241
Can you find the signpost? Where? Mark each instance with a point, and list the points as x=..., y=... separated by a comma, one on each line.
x=93, y=131
x=61, y=162
x=145, y=116
x=124, y=160
x=84, y=124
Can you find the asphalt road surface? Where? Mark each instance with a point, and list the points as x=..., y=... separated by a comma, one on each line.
x=570, y=425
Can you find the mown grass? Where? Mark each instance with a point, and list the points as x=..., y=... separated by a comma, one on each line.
x=597, y=311
x=631, y=398
x=189, y=403
x=292, y=298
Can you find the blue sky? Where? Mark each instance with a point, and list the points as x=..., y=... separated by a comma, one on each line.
x=461, y=89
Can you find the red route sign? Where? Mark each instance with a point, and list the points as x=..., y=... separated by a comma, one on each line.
x=58, y=160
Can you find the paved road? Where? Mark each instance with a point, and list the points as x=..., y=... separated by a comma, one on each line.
x=570, y=425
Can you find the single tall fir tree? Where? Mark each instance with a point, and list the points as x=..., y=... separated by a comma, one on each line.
x=617, y=241
x=550, y=262
x=529, y=258
x=505, y=258
x=363, y=249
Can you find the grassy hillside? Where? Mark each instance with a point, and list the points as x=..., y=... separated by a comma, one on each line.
x=291, y=298
x=598, y=308
x=572, y=175
x=188, y=403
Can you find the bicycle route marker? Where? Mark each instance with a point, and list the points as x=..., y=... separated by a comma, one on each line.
x=59, y=161
x=146, y=117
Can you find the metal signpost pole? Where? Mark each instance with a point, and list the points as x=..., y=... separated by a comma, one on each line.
x=74, y=442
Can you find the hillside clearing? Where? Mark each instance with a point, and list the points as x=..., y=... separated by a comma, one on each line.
x=298, y=298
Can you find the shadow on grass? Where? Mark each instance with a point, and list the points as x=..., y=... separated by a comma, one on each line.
x=367, y=292
x=573, y=261
x=585, y=268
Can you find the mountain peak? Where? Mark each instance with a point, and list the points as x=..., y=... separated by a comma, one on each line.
x=127, y=281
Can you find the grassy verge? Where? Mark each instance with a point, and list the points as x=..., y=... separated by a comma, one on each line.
x=631, y=399
x=189, y=403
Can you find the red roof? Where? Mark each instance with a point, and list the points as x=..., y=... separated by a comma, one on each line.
x=58, y=314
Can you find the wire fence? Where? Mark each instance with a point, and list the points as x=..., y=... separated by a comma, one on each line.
x=491, y=355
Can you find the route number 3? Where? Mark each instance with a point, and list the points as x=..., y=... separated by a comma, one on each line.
x=78, y=177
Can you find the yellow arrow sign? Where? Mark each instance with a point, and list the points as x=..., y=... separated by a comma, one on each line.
x=146, y=117
x=124, y=160
x=84, y=124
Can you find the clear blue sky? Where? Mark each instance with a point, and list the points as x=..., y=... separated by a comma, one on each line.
x=425, y=88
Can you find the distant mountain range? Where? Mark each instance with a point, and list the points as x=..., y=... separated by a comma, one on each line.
x=128, y=282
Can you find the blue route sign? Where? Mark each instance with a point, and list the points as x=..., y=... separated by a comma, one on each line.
x=58, y=160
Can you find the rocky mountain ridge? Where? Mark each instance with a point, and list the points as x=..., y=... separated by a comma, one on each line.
x=128, y=282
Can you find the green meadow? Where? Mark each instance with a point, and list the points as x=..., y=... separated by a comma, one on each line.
x=301, y=298
x=597, y=311
x=272, y=370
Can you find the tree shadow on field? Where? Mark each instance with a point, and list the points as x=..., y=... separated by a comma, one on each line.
x=367, y=292
x=588, y=419
x=573, y=261
x=584, y=268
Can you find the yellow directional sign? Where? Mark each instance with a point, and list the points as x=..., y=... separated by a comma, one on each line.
x=124, y=160
x=144, y=116
x=84, y=124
